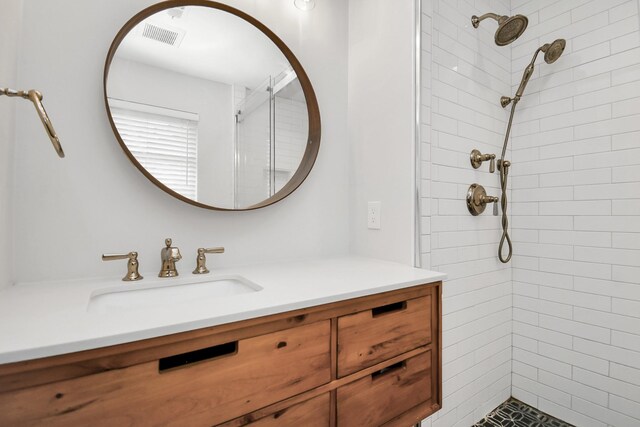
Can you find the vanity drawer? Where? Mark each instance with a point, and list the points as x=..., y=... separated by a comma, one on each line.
x=385, y=394
x=378, y=334
x=205, y=387
x=312, y=413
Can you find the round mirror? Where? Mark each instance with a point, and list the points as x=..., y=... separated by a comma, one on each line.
x=211, y=106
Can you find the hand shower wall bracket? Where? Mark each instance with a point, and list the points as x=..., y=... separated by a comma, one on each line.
x=505, y=101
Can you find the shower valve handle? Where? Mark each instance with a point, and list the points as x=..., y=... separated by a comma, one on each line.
x=477, y=158
x=477, y=200
x=489, y=199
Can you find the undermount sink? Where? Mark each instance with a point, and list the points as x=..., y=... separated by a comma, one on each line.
x=168, y=292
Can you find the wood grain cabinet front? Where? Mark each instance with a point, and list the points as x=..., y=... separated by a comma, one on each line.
x=385, y=394
x=311, y=413
x=373, y=361
x=239, y=378
x=382, y=332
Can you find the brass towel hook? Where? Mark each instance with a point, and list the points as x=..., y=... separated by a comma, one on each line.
x=36, y=97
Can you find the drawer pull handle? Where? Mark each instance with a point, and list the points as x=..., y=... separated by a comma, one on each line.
x=388, y=369
x=197, y=356
x=389, y=308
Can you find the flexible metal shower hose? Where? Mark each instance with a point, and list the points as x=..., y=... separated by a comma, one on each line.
x=505, y=219
x=504, y=173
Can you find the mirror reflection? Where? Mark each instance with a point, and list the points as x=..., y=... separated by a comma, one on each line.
x=209, y=106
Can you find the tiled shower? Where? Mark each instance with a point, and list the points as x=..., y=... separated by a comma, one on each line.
x=559, y=326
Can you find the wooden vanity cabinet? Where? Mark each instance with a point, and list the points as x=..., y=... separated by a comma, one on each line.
x=375, y=335
x=370, y=361
x=377, y=398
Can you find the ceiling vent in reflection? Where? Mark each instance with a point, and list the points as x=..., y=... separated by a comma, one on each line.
x=171, y=37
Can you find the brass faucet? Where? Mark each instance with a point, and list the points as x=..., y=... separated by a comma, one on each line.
x=201, y=259
x=169, y=256
x=132, y=265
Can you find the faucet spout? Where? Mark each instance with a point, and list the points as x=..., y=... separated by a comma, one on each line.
x=169, y=255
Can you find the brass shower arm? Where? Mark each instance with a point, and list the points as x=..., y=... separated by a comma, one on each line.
x=36, y=98
x=475, y=20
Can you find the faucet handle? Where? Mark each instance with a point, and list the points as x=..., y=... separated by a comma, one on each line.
x=201, y=259
x=132, y=265
x=477, y=158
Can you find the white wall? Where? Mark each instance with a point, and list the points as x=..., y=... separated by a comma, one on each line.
x=576, y=214
x=463, y=76
x=69, y=212
x=381, y=124
x=10, y=22
x=212, y=101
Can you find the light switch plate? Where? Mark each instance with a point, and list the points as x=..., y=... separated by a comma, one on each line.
x=373, y=215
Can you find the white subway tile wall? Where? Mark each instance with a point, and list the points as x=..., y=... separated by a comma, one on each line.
x=558, y=328
x=463, y=76
x=576, y=214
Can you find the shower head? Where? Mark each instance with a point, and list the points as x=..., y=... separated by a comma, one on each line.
x=553, y=51
x=509, y=27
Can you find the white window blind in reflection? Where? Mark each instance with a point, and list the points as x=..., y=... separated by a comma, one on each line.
x=164, y=141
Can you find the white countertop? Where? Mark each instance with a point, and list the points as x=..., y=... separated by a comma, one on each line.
x=51, y=318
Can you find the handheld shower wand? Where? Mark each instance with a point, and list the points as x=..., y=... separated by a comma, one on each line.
x=551, y=54
x=36, y=98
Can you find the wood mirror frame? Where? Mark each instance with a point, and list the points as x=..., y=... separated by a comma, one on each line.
x=313, y=140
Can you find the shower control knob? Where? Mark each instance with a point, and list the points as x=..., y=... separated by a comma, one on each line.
x=477, y=200
x=477, y=158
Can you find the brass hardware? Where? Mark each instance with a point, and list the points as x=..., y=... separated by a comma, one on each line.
x=132, y=265
x=503, y=166
x=477, y=158
x=201, y=259
x=509, y=27
x=36, y=98
x=552, y=51
x=169, y=255
x=551, y=54
x=477, y=199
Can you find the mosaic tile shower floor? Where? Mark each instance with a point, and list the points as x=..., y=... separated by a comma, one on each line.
x=514, y=413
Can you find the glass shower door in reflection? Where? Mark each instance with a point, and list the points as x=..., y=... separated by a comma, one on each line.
x=270, y=137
